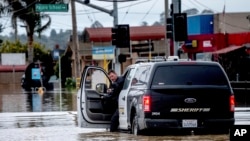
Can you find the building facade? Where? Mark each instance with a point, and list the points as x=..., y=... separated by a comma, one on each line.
x=208, y=33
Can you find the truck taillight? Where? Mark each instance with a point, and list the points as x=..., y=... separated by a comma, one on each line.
x=232, y=103
x=146, y=103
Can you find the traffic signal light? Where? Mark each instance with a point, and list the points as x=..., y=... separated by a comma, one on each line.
x=169, y=28
x=122, y=58
x=121, y=36
x=124, y=41
x=180, y=27
x=114, y=36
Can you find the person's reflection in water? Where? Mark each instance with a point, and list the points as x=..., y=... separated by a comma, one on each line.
x=50, y=101
x=37, y=102
x=34, y=101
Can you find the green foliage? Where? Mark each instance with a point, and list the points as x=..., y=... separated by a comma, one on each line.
x=13, y=47
x=70, y=83
x=19, y=47
x=38, y=48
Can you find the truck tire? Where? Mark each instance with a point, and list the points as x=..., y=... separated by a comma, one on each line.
x=135, y=127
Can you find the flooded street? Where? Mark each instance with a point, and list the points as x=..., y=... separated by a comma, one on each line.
x=52, y=116
x=62, y=126
x=22, y=101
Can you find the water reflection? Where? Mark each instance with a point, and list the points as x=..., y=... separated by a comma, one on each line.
x=35, y=102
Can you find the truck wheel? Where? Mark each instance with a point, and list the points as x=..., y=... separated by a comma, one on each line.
x=135, y=126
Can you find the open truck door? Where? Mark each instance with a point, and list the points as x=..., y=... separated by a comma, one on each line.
x=92, y=110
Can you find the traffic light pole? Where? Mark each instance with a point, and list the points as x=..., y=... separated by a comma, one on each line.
x=116, y=63
x=177, y=9
x=166, y=39
x=114, y=13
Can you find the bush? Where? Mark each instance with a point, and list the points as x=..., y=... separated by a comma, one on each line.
x=70, y=83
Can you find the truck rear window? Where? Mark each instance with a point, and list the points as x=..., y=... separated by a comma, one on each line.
x=189, y=75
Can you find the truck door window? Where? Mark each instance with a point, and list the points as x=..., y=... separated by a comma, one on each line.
x=128, y=78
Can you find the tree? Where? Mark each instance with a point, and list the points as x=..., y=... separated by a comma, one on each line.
x=192, y=11
x=144, y=23
x=18, y=47
x=24, y=10
x=207, y=11
x=1, y=28
x=1, y=12
x=53, y=33
x=66, y=68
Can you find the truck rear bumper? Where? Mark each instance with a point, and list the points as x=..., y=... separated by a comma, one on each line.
x=177, y=123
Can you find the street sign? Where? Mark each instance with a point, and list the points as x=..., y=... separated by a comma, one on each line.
x=52, y=7
x=104, y=52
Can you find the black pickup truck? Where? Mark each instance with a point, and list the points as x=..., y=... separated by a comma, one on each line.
x=189, y=95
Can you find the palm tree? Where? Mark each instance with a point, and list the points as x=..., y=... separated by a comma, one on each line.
x=1, y=12
x=24, y=10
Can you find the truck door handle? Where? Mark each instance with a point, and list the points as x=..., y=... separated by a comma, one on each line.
x=123, y=98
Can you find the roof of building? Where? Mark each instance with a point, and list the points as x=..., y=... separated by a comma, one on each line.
x=227, y=49
x=137, y=33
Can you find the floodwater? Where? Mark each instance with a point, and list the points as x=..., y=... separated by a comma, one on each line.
x=21, y=101
x=52, y=116
x=62, y=126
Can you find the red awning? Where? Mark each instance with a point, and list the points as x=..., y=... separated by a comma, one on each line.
x=137, y=33
x=227, y=49
x=10, y=68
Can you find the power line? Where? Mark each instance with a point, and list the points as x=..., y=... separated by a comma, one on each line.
x=126, y=12
x=149, y=10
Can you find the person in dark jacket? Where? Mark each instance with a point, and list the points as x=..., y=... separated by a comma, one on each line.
x=113, y=94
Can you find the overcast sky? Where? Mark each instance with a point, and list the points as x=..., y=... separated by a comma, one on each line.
x=132, y=13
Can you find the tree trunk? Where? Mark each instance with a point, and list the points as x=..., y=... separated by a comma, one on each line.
x=30, y=49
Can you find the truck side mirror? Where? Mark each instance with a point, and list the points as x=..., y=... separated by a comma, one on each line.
x=101, y=88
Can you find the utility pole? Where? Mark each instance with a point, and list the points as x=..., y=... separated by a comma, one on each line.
x=75, y=40
x=166, y=40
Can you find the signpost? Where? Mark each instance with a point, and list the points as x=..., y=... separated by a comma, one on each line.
x=61, y=7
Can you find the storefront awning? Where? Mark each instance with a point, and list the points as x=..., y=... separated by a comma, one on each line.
x=227, y=49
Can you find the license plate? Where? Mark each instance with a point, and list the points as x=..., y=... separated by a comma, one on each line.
x=187, y=123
